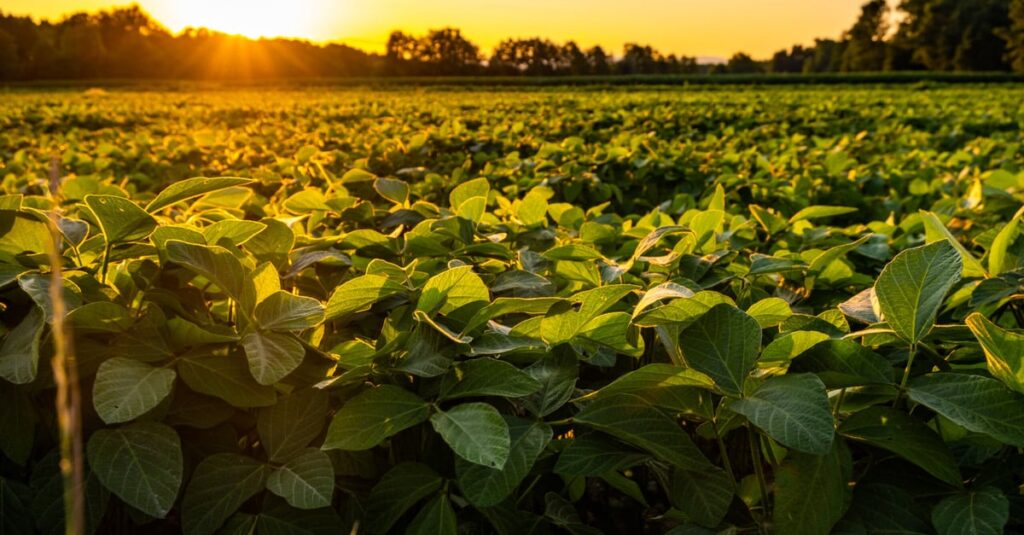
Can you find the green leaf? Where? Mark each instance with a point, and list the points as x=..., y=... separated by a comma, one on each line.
x=982, y=512
x=22, y=233
x=487, y=377
x=476, y=432
x=631, y=418
x=510, y=305
x=219, y=486
x=826, y=258
x=478, y=187
x=980, y=404
x=234, y=231
x=1004, y=350
x=436, y=518
x=935, y=231
x=359, y=293
x=770, y=312
x=793, y=410
x=189, y=188
x=703, y=496
x=306, y=481
x=396, y=492
x=141, y=463
x=367, y=419
x=557, y=373
x=820, y=212
x=724, y=344
x=999, y=257
x=912, y=288
x=896, y=431
x=533, y=208
x=19, y=353
x=120, y=219
x=785, y=348
x=811, y=491
x=561, y=324
x=217, y=265
x=593, y=454
x=844, y=363
x=272, y=355
x=484, y=486
x=288, y=426
x=126, y=389
x=451, y=290
x=227, y=378
x=392, y=189
x=652, y=377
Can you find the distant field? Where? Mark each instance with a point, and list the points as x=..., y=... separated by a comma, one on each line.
x=685, y=310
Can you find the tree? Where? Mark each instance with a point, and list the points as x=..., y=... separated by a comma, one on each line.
x=1014, y=36
x=742, y=63
x=827, y=56
x=791, y=61
x=865, y=41
x=598, y=60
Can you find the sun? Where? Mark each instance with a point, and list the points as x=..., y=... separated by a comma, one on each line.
x=251, y=18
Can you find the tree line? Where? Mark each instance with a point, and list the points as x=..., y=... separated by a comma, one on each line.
x=933, y=35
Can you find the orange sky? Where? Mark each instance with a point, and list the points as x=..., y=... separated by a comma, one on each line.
x=703, y=28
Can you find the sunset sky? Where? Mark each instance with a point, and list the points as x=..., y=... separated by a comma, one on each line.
x=702, y=28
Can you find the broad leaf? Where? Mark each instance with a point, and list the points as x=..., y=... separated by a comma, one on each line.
x=1004, y=351
x=219, y=486
x=703, y=496
x=141, y=463
x=912, y=288
x=593, y=454
x=476, y=432
x=978, y=403
x=283, y=311
x=487, y=377
x=272, y=355
x=724, y=344
x=120, y=219
x=19, y=352
x=289, y=425
x=811, y=491
x=485, y=486
x=792, y=409
x=192, y=187
x=359, y=293
x=396, y=492
x=895, y=431
x=436, y=518
x=633, y=419
x=227, y=378
x=982, y=512
x=126, y=389
x=367, y=419
x=306, y=481
x=217, y=265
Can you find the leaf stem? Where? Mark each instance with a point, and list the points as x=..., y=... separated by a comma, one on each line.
x=721, y=448
x=755, y=457
x=106, y=261
x=906, y=374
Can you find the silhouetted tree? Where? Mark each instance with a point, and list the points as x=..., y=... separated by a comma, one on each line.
x=865, y=41
x=1013, y=34
x=742, y=63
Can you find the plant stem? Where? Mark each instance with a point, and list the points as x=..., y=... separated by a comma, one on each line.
x=755, y=458
x=721, y=448
x=906, y=374
x=839, y=404
x=106, y=261
x=65, y=375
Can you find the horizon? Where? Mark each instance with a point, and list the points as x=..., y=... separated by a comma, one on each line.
x=684, y=28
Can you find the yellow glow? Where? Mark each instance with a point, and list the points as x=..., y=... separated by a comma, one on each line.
x=714, y=28
x=251, y=18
